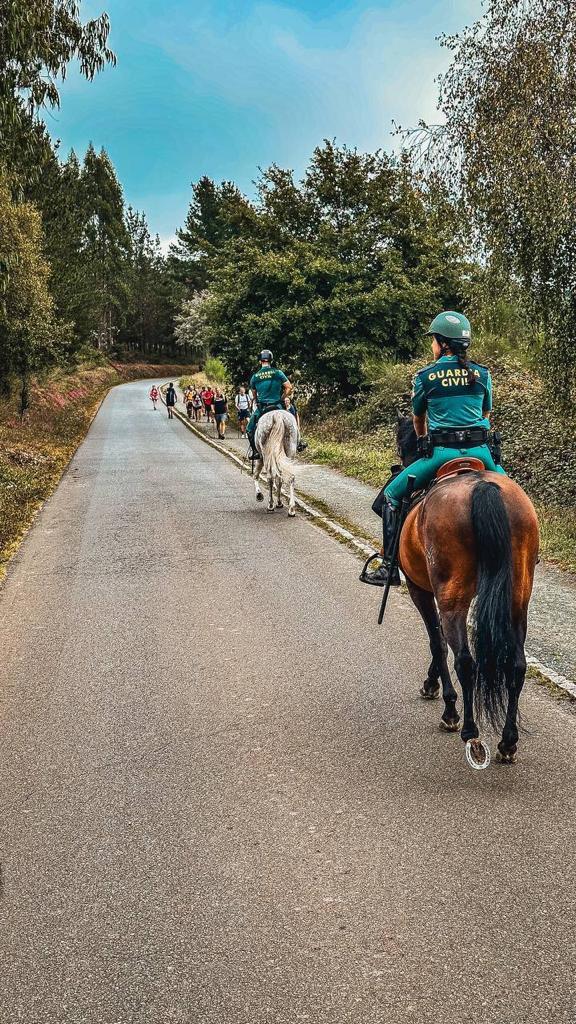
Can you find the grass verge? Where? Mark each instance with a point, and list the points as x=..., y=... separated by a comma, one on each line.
x=558, y=535
x=550, y=686
x=365, y=460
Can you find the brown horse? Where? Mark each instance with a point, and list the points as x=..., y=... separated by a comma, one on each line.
x=473, y=536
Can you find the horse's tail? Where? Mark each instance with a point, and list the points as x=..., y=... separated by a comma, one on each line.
x=492, y=628
x=276, y=463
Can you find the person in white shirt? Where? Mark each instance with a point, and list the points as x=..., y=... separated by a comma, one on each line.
x=243, y=404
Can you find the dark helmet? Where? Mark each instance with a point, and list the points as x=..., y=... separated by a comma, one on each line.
x=266, y=356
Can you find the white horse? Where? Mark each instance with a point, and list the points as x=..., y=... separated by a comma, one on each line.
x=276, y=438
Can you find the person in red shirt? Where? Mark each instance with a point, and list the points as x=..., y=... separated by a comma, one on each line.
x=154, y=395
x=208, y=399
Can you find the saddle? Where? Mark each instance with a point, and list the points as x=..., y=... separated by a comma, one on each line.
x=463, y=464
x=455, y=467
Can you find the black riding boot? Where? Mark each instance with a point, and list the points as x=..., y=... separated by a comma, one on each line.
x=379, y=577
x=253, y=454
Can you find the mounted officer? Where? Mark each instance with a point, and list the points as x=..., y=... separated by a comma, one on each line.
x=270, y=387
x=451, y=405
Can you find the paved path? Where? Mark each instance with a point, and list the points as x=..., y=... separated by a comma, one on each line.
x=217, y=810
x=553, y=607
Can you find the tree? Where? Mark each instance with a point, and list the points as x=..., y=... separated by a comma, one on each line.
x=348, y=263
x=37, y=42
x=59, y=196
x=104, y=247
x=216, y=214
x=507, y=151
x=191, y=331
x=28, y=331
x=152, y=293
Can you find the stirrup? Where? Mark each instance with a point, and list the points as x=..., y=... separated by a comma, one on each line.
x=379, y=577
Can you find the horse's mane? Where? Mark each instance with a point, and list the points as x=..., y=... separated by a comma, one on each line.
x=406, y=440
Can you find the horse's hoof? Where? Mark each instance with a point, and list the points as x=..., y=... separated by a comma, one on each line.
x=477, y=754
x=508, y=758
x=427, y=694
x=270, y=508
x=259, y=497
x=292, y=512
x=280, y=504
x=450, y=726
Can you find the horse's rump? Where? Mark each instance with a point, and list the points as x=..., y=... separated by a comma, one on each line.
x=276, y=438
x=438, y=544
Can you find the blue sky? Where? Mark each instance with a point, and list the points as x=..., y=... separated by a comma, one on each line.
x=221, y=88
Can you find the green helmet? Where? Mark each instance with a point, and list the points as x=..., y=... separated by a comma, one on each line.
x=453, y=327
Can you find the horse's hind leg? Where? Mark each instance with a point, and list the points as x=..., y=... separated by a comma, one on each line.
x=270, y=492
x=279, y=502
x=457, y=636
x=514, y=681
x=438, y=669
x=259, y=495
x=292, y=499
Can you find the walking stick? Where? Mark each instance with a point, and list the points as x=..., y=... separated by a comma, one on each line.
x=406, y=500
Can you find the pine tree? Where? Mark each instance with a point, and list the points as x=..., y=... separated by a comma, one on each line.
x=58, y=194
x=152, y=293
x=216, y=214
x=104, y=247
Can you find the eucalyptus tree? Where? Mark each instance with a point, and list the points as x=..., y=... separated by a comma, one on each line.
x=191, y=332
x=153, y=296
x=507, y=150
x=38, y=41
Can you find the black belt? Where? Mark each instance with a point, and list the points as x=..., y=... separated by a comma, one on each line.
x=467, y=437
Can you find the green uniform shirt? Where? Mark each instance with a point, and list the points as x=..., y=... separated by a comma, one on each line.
x=267, y=383
x=441, y=391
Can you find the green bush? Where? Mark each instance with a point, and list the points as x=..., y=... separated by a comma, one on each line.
x=215, y=370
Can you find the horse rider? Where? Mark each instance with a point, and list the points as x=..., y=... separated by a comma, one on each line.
x=270, y=387
x=451, y=405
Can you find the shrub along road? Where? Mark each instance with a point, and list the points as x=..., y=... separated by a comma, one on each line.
x=221, y=800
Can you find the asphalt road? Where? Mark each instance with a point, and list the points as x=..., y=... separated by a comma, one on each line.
x=222, y=801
